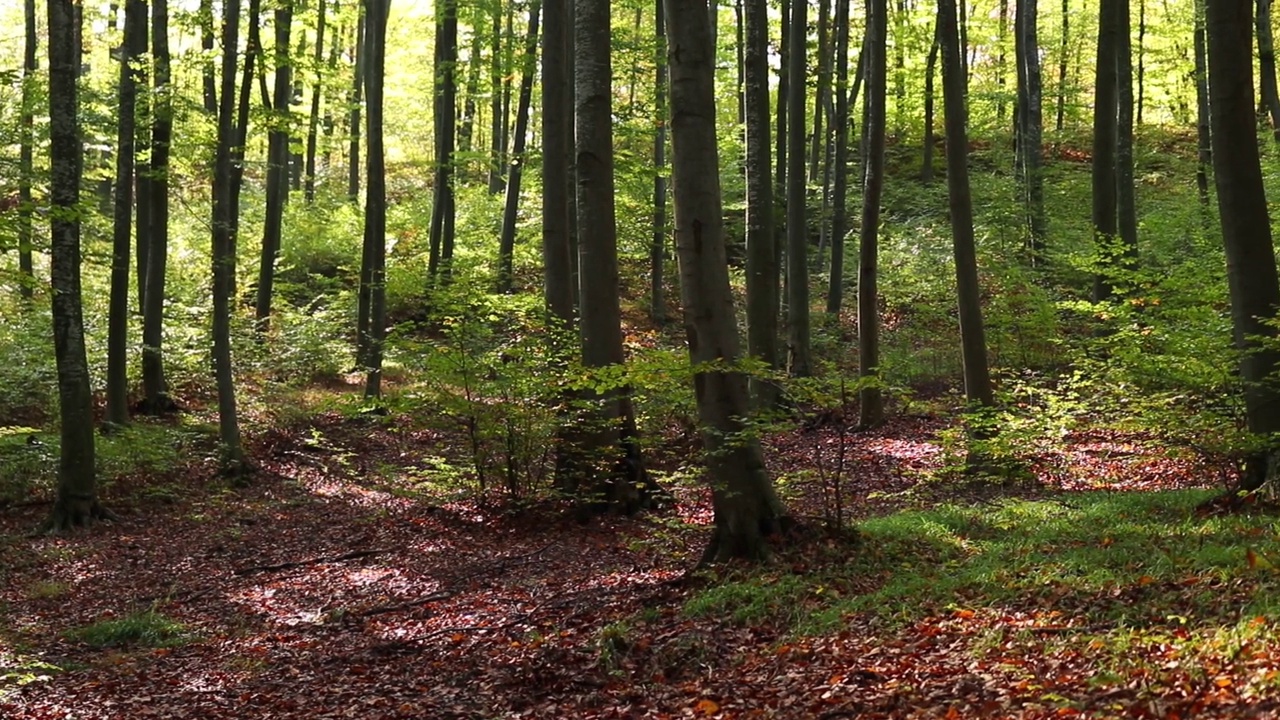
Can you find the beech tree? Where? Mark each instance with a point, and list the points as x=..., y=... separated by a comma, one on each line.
x=747, y=509
x=1030, y=127
x=870, y=399
x=797, y=229
x=373, y=274
x=443, y=211
x=511, y=205
x=277, y=167
x=77, y=497
x=1246, y=224
x=26, y=152
x=762, y=254
x=154, y=385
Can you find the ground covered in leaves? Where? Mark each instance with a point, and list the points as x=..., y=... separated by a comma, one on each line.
x=340, y=584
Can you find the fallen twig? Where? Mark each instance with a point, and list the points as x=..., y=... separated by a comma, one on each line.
x=310, y=561
x=383, y=609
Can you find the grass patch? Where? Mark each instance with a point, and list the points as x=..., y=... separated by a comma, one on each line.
x=148, y=629
x=47, y=590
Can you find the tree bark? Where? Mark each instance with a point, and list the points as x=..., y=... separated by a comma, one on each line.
x=277, y=168
x=797, y=229
x=155, y=388
x=442, y=211
x=375, y=204
x=621, y=484
x=313, y=125
x=507, y=240
x=26, y=154
x=747, y=509
x=1246, y=225
x=224, y=227
x=557, y=138
x=208, y=68
x=658, y=246
x=1267, y=66
x=977, y=379
x=357, y=90
x=77, y=499
x=252, y=54
x=135, y=30
x=1064, y=58
x=1126, y=202
x=1105, y=135
x=1030, y=155
x=762, y=256
x=1204, y=145
x=821, y=91
x=930, y=140
x=870, y=399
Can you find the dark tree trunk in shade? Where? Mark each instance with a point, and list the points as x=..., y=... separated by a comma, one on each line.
x=1204, y=148
x=443, y=208
x=740, y=32
x=840, y=161
x=240, y=131
x=557, y=139
x=747, y=508
x=76, y=503
x=155, y=388
x=496, y=117
x=466, y=128
x=277, y=168
x=223, y=253
x=973, y=344
x=1105, y=137
x=797, y=230
x=1142, y=60
x=658, y=245
x=375, y=204
x=357, y=93
x=618, y=482
x=1001, y=56
x=823, y=89
x=762, y=255
x=208, y=70
x=1064, y=59
x=780, y=152
x=1126, y=201
x=26, y=153
x=870, y=397
x=135, y=33
x=1246, y=224
x=930, y=139
x=511, y=205
x=1030, y=124
x=313, y=124
x=1267, y=66
x=141, y=177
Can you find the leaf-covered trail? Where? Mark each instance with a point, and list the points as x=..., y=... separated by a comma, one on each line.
x=325, y=590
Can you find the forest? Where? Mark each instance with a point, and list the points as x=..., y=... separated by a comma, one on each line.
x=639, y=359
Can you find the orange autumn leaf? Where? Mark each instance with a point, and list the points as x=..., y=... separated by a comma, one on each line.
x=1223, y=682
x=953, y=713
x=964, y=614
x=707, y=707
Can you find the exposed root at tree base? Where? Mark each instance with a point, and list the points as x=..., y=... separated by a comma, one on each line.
x=68, y=515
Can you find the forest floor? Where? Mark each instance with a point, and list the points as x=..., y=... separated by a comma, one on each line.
x=332, y=588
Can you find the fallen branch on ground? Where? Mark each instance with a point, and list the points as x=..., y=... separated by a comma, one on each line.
x=354, y=555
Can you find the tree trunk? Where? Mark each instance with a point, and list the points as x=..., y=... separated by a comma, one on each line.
x=840, y=162
x=762, y=256
x=1064, y=58
x=252, y=54
x=747, y=509
x=1204, y=146
x=224, y=219
x=155, y=388
x=77, y=499
x=208, y=69
x=466, y=131
x=442, y=211
x=1105, y=134
x=780, y=152
x=658, y=246
x=496, y=118
x=142, y=179
x=870, y=398
x=1030, y=159
x=507, y=240
x=821, y=91
x=930, y=140
x=557, y=138
x=797, y=230
x=375, y=204
x=313, y=125
x=1003, y=39
x=277, y=168
x=135, y=31
x=1246, y=225
x=1267, y=65
x=26, y=154
x=977, y=380
x=621, y=484
x=1142, y=58
x=741, y=58
x=357, y=89
x=1126, y=202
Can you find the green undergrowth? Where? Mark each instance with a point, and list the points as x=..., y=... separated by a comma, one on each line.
x=146, y=629
x=1114, y=560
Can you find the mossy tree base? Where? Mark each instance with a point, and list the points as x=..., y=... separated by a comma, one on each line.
x=74, y=512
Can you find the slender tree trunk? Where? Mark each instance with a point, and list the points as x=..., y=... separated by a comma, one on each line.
x=740, y=32
x=963, y=22
x=840, y=162
x=762, y=255
x=496, y=117
x=620, y=480
x=747, y=509
x=277, y=168
x=977, y=379
x=1002, y=42
x=1204, y=147
x=658, y=246
x=208, y=68
x=507, y=240
x=26, y=153
x=1246, y=224
x=224, y=228
x=466, y=130
x=155, y=388
x=821, y=91
x=571, y=154
x=77, y=498
x=780, y=151
x=870, y=398
x=1126, y=202
x=1105, y=136
x=442, y=212
x=797, y=229
x=135, y=31
x=1030, y=159
x=357, y=90
x=313, y=125
x=1267, y=65
x=557, y=139
x=375, y=214
x=930, y=140
x=1142, y=59
x=1064, y=58
x=142, y=192
x=253, y=53
x=901, y=23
